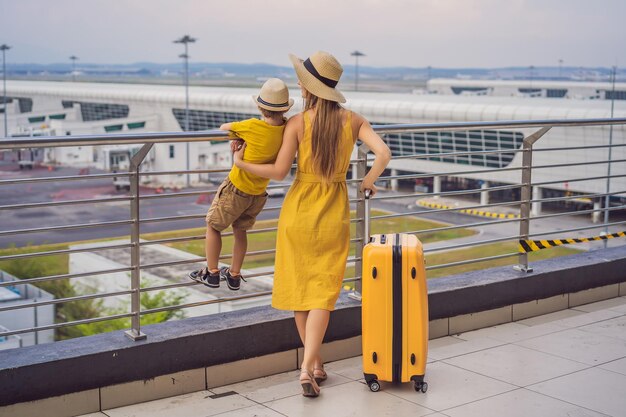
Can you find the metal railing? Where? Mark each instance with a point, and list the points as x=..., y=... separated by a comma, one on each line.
x=522, y=206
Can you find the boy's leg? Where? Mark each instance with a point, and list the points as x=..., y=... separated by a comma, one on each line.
x=239, y=250
x=212, y=248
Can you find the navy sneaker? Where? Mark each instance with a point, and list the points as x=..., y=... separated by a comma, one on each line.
x=233, y=283
x=205, y=277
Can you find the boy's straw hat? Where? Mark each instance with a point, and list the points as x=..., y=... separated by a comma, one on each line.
x=274, y=96
x=319, y=75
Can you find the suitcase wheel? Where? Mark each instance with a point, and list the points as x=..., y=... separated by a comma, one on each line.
x=374, y=386
x=421, y=386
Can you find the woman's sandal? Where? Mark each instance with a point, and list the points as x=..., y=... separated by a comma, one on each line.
x=320, y=375
x=309, y=386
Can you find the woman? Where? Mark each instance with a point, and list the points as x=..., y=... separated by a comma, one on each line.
x=314, y=226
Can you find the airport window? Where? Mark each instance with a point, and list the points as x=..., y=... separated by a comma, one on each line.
x=102, y=111
x=113, y=128
x=57, y=116
x=402, y=144
x=529, y=90
x=136, y=125
x=25, y=104
x=207, y=120
x=556, y=92
x=171, y=151
x=36, y=119
x=98, y=111
x=617, y=95
x=475, y=90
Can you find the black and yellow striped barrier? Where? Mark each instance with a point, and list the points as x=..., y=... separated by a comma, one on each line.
x=526, y=246
x=472, y=212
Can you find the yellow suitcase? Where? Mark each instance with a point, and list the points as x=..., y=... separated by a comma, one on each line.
x=394, y=311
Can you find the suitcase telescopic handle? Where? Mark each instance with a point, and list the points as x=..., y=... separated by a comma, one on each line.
x=366, y=217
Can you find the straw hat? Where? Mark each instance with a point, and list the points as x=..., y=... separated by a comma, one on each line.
x=274, y=96
x=319, y=74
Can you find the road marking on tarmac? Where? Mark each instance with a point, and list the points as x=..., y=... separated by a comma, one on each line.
x=472, y=212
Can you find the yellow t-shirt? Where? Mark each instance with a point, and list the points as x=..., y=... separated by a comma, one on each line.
x=262, y=145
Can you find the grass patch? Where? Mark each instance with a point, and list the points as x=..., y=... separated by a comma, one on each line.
x=267, y=240
x=33, y=267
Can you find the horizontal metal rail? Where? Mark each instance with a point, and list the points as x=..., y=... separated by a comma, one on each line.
x=66, y=324
x=26, y=281
x=536, y=184
x=214, y=301
x=574, y=164
x=447, y=154
x=200, y=136
x=66, y=227
x=64, y=178
x=176, y=194
x=46, y=204
x=578, y=212
x=473, y=243
x=577, y=229
x=585, y=147
x=464, y=226
x=206, y=302
x=64, y=251
x=413, y=213
x=575, y=197
x=471, y=261
x=65, y=300
x=191, y=171
x=445, y=193
x=447, y=174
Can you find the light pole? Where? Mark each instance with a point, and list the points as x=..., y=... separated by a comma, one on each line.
x=356, y=55
x=608, y=174
x=73, y=58
x=186, y=40
x=560, y=68
x=4, y=48
x=532, y=73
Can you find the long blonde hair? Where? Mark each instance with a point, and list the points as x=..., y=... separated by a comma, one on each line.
x=325, y=134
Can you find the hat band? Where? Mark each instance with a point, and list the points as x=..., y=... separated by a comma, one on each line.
x=326, y=81
x=260, y=100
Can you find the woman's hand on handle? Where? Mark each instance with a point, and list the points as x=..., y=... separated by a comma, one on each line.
x=367, y=185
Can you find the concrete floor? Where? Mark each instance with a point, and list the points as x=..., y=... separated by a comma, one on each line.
x=568, y=363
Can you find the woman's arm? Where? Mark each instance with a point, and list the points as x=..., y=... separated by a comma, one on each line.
x=380, y=150
x=279, y=169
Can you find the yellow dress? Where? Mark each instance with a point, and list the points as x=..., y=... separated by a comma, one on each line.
x=313, y=231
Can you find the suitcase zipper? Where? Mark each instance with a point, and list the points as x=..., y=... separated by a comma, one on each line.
x=396, y=358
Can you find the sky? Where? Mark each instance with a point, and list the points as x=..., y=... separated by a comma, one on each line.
x=414, y=33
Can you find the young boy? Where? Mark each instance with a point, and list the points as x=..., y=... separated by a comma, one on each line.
x=240, y=198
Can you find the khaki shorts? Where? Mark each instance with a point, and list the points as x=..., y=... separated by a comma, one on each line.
x=232, y=206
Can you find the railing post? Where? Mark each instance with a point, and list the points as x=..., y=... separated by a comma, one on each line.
x=361, y=168
x=526, y=194
x=135, y=251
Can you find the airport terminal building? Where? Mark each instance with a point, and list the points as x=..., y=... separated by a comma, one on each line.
x=63, y=108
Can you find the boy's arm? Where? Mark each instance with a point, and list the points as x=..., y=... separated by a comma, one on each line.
x=228, y=127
